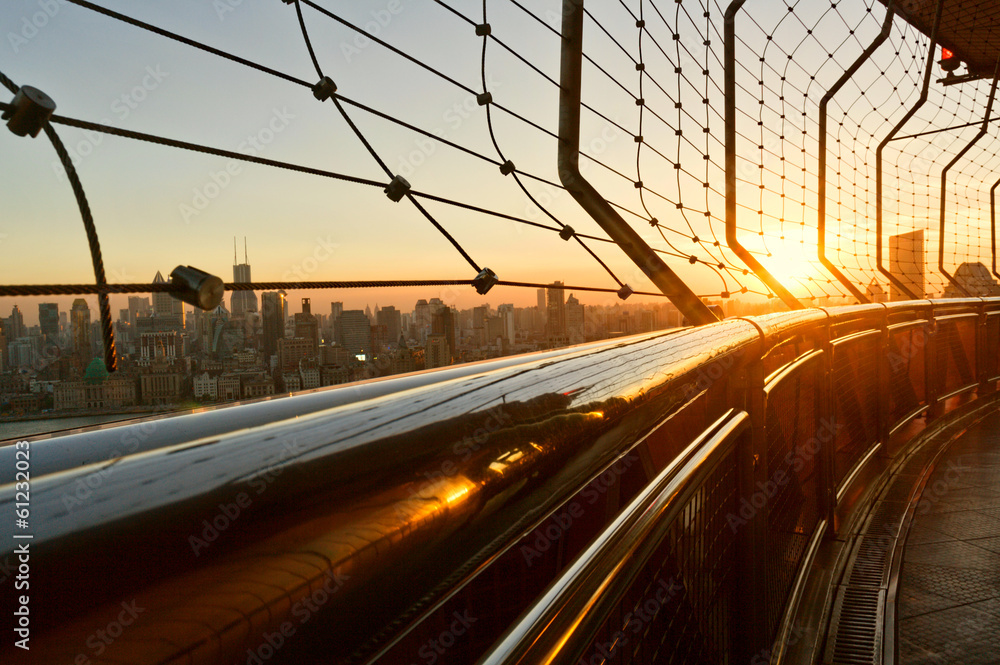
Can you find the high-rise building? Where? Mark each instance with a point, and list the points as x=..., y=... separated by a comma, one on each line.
x=555, y=311
x=436, y=352
x=443, y=323
x=168, y=311
x=272, y=321
x=575, y=321
x=906, y=263
x=15, y=324
x=356, y=331
x=138, y=306
x=306, y=326
x=506, y=314
x=392, y=320
x=242, y=302
x=422, y=319
x=975, y=280
x=79, y=316
x=48, y=318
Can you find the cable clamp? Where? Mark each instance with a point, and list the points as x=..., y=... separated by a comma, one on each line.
x=484, y=30
x=484, y=281
x=324, y=89
x=566, y=232
x=199, y=288
x=30, y=110
x=484, y=98
x=507, y=167
x=397, y=189
x=625, y=292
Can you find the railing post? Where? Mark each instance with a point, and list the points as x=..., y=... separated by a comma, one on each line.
x=828, y=490
x=749, y=625
x=732, y=236
x=982, y=373
x=944, y=181
x=884, y=385
x=630, y=242
x=929, y=67
x=823, y=116
x=931, y=368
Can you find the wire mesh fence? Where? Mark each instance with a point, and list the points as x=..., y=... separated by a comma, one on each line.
x=852, y=161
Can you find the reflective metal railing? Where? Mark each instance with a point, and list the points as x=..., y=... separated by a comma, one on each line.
x=649, y=499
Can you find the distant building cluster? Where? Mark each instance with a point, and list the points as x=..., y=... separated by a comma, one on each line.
x=174, y=357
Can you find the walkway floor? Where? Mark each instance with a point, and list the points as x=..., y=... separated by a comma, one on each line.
x=949, y=599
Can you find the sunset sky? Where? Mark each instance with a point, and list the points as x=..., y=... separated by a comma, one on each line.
x=158, y=207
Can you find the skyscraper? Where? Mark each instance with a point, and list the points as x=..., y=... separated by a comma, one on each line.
x=15, y=324
x=356, y=331
x=167, y=310
x=393, y=322
x=555, y=311
x=575, y=322
x=138, y=306
x=272, y=321
x=307, y=327
x=906, y=262
x=79, y=316
x=48, y=318
x=443, y=323
x=242, y=302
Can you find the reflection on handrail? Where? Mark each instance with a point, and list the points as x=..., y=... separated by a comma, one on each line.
x=560, y=626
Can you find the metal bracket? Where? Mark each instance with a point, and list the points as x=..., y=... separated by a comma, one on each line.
x=944, y=179
x=587, y=196
x=881, y=146
x=731, y=236
x=823, y=116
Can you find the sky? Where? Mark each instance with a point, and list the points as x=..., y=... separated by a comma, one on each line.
x=157, y=207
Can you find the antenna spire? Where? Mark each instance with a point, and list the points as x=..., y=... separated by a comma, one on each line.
x=235, y=260
x=246, y=259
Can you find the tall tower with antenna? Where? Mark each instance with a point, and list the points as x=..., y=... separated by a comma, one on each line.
x=242, y=302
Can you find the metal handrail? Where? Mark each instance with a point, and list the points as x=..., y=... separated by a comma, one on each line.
x=577, y=603
x=416, y=491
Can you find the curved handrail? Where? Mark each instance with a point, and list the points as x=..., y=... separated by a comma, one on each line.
x=578, y=602
x=418, y=491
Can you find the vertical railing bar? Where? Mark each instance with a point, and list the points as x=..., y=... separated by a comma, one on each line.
x=571, y=69
x=731, y=232
x=823, y=116
x=993, y=225
x=944, y=179
x=932, y=47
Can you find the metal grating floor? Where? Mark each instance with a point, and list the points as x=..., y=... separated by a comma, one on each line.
x=949, y=598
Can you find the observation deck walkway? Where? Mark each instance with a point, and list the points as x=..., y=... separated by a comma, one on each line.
x=949, y=598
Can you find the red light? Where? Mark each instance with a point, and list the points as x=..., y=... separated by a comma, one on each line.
x=946, y=54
